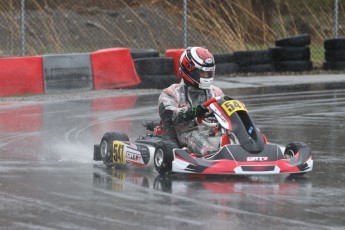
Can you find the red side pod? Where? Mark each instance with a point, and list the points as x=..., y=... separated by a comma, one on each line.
x=21, y=75
x=113, y=68
x=175, y=54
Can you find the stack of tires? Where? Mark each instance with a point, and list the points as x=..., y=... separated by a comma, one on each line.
x=254, y=61
x=225, y=64
x=292, y=54
x=334, y=54
x=143, y=53
x=155, y=72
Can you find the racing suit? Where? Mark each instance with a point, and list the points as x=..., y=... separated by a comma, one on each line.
x=179, y=98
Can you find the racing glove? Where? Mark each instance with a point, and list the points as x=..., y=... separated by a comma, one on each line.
x=190, y=114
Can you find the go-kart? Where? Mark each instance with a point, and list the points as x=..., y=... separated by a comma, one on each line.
x=243, y=149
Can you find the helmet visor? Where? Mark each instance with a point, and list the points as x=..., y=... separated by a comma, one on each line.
x=196, y=74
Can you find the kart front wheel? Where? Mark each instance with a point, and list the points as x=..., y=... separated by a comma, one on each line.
x=292, y=148
x=106, y=145
x=163, y=157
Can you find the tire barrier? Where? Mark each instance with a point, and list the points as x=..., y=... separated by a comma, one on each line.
x=254, y=61
x=154, y=66
x=227, y=68
x=294, y=66
x=113, y=68
x=20, y=76
x=224, y=58
x=260, y=68
x=155, y=72
x=175, y=54
x=143, y=53
x=157, y=81
x=67, y=72
x=294, y=41
x=334, y=54
x=280, y=54
x=143, y=68
x=292, y=54
x=225, y=64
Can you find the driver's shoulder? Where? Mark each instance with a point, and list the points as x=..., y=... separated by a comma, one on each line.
x=172, y=89
x=216, y=90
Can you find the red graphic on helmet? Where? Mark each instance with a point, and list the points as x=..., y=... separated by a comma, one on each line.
x=197, y=67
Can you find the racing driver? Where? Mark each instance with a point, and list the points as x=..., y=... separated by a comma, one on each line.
x=180, y=104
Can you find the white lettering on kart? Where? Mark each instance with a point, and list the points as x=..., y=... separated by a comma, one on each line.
x=257, y=158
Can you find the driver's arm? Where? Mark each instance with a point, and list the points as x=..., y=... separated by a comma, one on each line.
x=168, y=104
x=169, y=109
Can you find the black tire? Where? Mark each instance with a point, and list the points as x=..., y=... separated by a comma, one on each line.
x=254, y=57
x=295, y=147
x=156, y=81
x=97, y=153
x=143, y=53
x=163, y=156
x=294, y=66
x=334, y=44
x=291, y=150
x=335, y=55
x=337, y=65
x=223, y=58
x=106, y=145
x=294, y=41
x=227, y=68
x=154, y=66
x=258, y=68
x=290, y=54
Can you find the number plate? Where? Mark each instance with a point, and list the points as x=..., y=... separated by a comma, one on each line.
x=119, y=153
x=233, y=106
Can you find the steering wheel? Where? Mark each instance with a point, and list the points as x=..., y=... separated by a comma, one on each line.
x=201, y=120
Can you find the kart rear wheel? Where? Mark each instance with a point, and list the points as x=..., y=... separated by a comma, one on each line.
x=106, y=145
x=163, y=157
x=97, y=153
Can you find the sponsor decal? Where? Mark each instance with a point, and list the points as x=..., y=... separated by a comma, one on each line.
x=133, y=156
x=257, y=158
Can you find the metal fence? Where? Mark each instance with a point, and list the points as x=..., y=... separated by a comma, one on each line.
x=32, y=27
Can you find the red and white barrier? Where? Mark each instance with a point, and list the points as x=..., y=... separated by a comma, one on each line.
x=113, y=68
x=21, y=75
x=175, y=54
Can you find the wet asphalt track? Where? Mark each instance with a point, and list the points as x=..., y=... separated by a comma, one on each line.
x=49, y=181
